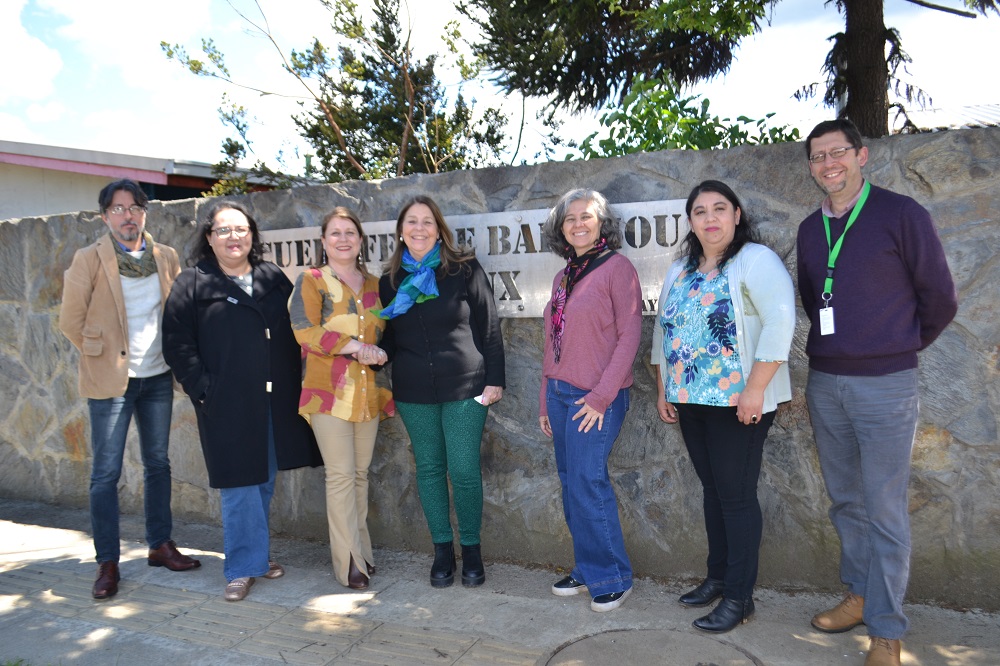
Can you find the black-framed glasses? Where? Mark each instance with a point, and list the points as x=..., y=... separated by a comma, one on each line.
x=835, y=153
x=119, y=209
x=226, y=232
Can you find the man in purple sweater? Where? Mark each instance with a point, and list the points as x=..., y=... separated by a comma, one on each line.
x=876, y=287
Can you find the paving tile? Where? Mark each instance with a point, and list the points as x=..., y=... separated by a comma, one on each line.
x=493, y=654
x=221, y=623
x=307, y=637
x=398, y=645
x=147, y=606
x=29, y=579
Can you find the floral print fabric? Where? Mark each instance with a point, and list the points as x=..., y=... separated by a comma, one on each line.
x=699, y=341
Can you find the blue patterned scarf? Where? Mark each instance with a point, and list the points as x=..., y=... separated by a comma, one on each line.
x=419, y=285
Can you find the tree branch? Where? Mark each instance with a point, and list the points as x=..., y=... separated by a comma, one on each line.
x=941, y=8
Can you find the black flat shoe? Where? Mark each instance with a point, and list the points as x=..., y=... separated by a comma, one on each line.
x=707, y=591
x=726, y=616
x=443, y=569
x=473, y=571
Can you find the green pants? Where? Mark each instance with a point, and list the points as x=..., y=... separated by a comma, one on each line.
x=446, y=439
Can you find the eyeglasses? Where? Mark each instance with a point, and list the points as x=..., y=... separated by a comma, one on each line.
x=835, y=153
x=226, y=232
x=119, y=209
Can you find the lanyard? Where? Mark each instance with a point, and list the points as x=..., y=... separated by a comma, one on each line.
x=834, y=251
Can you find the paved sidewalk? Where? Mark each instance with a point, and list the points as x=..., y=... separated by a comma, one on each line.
x=160, y=617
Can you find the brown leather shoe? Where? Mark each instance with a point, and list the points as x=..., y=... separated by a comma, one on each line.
x=355, y=579
x=371, y=569
x=883, y=652
x=168, y=556
x=843, y=617
x=274, y=570
x=106, y=585
x=237, y=589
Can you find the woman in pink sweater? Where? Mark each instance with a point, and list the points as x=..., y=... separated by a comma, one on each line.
x=592, y=327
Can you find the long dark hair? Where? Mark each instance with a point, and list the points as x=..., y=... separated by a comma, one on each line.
x=745, y=231
x=451, y=256
x=203, y=250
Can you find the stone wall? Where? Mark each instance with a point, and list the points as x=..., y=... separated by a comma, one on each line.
x=955, y=507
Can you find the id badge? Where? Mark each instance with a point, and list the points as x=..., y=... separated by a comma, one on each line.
x=826, y=321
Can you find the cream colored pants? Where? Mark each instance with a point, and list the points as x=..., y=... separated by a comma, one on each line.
x=347, y=452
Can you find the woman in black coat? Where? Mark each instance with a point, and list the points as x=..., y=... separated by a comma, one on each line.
x=228, y=339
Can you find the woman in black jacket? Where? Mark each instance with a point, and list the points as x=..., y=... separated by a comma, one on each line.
x=444, y=342
x=228, y=339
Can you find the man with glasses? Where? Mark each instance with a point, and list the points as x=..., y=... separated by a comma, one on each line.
x=113, y=296
x=876, y=286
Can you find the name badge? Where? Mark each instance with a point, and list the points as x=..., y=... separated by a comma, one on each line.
x=826, y=321
x=232, y=300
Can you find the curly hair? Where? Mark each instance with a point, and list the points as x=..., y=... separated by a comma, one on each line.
x=552, y=230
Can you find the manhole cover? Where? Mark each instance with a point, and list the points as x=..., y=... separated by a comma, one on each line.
x=636, y=647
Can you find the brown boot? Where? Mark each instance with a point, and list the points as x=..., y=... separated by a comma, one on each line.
x=843, y=617
x=106, y=585
x=883, y=652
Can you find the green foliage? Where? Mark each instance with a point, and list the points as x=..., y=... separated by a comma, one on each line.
x=653, y=116
x=373, y=109
x=585, y=53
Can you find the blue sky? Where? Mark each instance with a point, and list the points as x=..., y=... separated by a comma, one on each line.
x=91, y=74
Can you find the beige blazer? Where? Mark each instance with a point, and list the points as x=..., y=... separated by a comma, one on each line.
x=92, y=315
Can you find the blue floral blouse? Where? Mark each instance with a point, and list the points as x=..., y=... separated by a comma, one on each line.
x=699, y=341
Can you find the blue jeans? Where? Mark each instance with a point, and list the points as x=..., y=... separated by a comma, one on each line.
x=864, y=428
x=589, y=502
x=727, y=456
x=246, y=530
x=151, y=400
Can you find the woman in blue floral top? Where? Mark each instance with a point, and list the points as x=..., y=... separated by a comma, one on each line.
x=725, y=325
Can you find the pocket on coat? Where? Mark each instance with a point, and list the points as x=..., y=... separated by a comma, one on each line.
x=93, y=344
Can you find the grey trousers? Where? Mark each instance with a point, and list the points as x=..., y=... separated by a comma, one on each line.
x=864, y=428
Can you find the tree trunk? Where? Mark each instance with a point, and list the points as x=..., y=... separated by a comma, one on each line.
x=867, y=75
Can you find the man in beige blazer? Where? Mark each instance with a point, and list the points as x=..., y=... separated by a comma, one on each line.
x=113, y=296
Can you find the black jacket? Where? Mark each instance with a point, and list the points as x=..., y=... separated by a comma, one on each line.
x=448, y=348
x=237, y=359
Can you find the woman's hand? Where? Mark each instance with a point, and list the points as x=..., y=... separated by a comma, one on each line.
x=668, y=413
x=543, y=423
x=588, y=417
x=750, y=406
x=371, y=355
x=492, y=394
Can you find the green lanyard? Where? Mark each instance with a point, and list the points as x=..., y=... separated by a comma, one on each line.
x=834, y=251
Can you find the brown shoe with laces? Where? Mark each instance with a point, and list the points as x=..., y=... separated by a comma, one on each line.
x=168, y=556
x=843, y=617
x=106, y=585
x=883, y=652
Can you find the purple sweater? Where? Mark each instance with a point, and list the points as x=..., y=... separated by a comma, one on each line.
x=601, y=337
x=892, y=291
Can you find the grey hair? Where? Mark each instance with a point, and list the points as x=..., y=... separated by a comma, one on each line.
x=552, y=231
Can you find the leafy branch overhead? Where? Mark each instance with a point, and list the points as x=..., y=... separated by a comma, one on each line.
x=586, y=53
x=370, y=108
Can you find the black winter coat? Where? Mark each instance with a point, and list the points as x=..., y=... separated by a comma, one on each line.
x=236, y=358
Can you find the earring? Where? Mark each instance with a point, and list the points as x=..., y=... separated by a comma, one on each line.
x=400, y=238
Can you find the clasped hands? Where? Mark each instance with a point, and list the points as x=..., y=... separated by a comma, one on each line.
x=371, y=355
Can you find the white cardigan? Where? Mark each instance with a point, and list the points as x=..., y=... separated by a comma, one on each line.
x=764, y=307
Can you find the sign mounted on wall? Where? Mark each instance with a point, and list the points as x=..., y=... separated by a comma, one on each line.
x=512, y=250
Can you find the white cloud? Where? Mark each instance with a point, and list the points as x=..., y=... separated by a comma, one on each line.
x=45, y=113
x=30, y=67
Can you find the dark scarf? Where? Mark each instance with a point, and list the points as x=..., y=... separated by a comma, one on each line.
x=129, y=266
x=577, y=266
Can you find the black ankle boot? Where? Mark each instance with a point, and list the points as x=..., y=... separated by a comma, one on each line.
x=726, y=616
x=708, y=591
x=473, y=573
x=443, y=569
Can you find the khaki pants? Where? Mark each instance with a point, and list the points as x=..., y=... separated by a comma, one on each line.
x=347, y=452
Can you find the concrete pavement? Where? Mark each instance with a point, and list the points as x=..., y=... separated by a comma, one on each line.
x=160, y=617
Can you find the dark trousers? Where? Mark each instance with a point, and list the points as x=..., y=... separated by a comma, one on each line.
x=726, y=456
